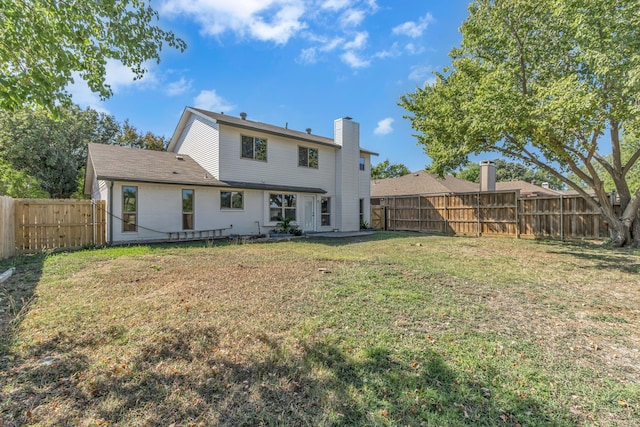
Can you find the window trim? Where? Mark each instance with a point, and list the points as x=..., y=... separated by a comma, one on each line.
x=308, y=157
x=253, y=149
x=323, y=214
x=231, y=208
x=193, y=208
x=126, y=223
x=283, y=208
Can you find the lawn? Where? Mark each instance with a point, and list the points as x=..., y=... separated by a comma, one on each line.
x=392, y=329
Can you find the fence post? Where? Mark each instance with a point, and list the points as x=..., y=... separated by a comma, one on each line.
x=516, y=195
x=478, y=214
x=561, y=219
x=419, y=213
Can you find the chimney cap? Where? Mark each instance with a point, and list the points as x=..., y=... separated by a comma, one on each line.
x=347, y=118
x=243, y=115
x=487, y=162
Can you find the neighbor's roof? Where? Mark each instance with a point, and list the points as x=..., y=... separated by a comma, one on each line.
x=116, y=163
x=526, y=188
x=258, y=126
x=420, y=183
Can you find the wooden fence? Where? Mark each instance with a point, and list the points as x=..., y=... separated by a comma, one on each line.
x=36, y=225
x=492, y=214
x=7, y=227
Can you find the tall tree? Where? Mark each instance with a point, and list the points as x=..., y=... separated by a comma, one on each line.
x=43, y=42
x=386, y=169
x=54, y=151
x=543, y=82
x=18, y=184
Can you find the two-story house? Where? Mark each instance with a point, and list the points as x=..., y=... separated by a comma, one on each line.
x=228, y=173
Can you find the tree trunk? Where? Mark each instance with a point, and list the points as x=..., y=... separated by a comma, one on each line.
x=624, y=229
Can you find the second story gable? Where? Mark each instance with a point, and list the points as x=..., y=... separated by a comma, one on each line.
x=241, y=150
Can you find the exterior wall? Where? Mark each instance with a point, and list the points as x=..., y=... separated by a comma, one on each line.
x=281, y=166
x=200, y=141
x=347, y=134
x=365, y=186
x=160, y=211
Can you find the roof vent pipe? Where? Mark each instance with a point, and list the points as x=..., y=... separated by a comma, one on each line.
x=308, y=130
x=243, y=115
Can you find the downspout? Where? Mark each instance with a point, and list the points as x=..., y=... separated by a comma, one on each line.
x=110, y=213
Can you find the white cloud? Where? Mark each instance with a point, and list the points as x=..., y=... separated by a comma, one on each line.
x=266, y=20
x=353, y=60
x=413, y=49
x=393, y=52
x=352, y=18
x=210, y=100
x=413, y=29
x=83, y=96
x=358, y=42
x=178, y=87
x=421, y=73
x=308, y=56
x=384, y=127
x=332, y=44
x=335, y=4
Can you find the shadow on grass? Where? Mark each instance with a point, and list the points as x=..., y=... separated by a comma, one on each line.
x=604, y=257
x=17, y=293
x=182, y=377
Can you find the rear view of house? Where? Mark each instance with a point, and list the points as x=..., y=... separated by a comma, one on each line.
x=235, y=176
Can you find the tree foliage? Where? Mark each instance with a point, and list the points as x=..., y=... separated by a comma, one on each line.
x=18, y=184
x=386, y=169
x=511, y=171
x=53, y=152
x=43, y=42
x=553, y=83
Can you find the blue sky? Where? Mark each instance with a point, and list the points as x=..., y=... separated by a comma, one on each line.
x=298, y=62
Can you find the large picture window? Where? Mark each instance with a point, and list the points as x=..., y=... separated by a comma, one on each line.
x=282, y=206
x=254, y=148
x=325, y=211
x=231, y=200
x=129, y=208
x=308, y=157
x=187, y=209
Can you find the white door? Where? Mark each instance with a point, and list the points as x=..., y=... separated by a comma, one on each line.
x=309, y=214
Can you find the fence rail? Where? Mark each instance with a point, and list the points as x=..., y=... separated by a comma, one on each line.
x=36, y=225
x=492, y=214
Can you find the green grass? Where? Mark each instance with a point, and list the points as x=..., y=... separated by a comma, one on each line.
x=393, y=329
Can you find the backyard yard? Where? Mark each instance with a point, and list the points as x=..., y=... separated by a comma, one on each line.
x=390, y=329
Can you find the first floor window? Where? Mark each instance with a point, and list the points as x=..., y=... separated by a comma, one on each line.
x=254, y=148
x=187, y=209
x=129, y=208
x=231, y=200
x=325, y=211
x=361, y=211
x=308, y=157
x=282, y=206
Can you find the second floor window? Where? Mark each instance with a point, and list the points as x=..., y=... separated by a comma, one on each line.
x=308, y=157
x=362, y=163
x=254, y=148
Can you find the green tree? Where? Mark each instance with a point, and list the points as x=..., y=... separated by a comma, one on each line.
x=542, y=82
x=43, y=42
x=54, y=151
x=385, y=170
x=511, y=171
x=18, y=184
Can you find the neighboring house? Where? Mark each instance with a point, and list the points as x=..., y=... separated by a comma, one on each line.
x=233, y=175
x=527, y=189
x=418, y=183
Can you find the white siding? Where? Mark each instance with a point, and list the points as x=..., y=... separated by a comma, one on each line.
x=160, y=211
x=200, y=141
x=281, y=166
x=347, y=134
x=365, y=186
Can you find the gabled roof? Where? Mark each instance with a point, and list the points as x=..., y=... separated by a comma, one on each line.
x=420, y=183
x=251, y=125
x=116, y=163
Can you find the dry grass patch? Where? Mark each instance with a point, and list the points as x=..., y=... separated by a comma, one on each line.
x=390, y=330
